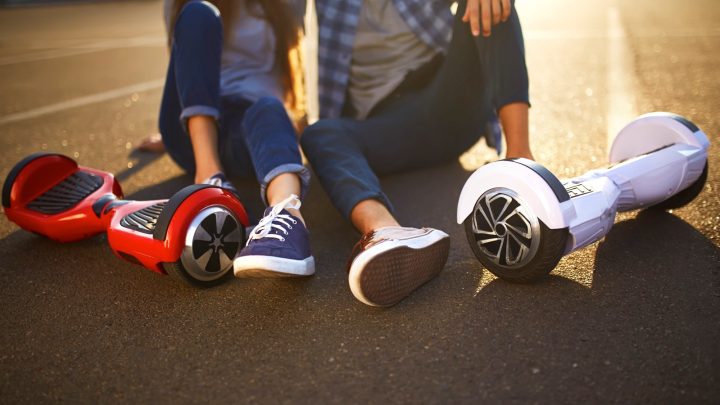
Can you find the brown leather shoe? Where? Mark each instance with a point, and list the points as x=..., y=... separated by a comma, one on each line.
x=389, y=263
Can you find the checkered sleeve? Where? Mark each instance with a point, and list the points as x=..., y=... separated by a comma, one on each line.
x=337, y=22
x=430, y=20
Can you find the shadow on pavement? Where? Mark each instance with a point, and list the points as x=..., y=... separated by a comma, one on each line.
x=645, y=317
x=649, y=314
x=140, y=160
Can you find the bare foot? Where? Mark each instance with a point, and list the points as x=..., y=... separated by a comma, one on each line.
x=152, y=143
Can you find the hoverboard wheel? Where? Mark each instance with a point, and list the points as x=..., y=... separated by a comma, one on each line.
x=509, y=239
x=212, y=240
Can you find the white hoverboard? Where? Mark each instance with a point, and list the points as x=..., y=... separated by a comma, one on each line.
x=520, y=219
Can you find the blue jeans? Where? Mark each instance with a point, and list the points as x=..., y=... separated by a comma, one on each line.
x=254, y=138
x=425, y=125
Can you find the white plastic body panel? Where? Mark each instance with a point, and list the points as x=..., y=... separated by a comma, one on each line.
x=652, y=131
x=535, y=192
x=654, y=157
x=596, y=212
x=633, y=184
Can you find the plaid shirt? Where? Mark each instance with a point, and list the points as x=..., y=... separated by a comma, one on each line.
x=430, y=20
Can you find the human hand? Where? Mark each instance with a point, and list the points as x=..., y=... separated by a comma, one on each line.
x=489, y=12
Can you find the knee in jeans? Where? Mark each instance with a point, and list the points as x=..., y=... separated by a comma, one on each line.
x=198, y=13
x=267, y=111
x=266, y=103
x=324, y=133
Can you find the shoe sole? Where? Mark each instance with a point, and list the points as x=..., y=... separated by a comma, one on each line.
x=385, y=276
x=272, y=267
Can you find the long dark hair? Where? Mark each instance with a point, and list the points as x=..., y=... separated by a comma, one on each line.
x=287, y=41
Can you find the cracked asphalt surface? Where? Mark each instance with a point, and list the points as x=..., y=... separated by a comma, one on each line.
x=632, y=318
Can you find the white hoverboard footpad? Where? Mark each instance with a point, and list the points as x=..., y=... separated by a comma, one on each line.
x=650, y=132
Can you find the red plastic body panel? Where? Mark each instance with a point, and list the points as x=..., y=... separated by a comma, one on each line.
x=81, y=220
x=76, y=223
x=151, y=253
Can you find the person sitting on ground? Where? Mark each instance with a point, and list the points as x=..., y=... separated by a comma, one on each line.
x=403, y=87
x=233, y=68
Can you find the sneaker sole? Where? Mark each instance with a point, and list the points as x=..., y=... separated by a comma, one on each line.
x=272, y=267
x=385, y=276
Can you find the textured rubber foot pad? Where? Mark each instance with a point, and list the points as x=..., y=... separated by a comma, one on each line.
x=66, y=194
x=393, y=275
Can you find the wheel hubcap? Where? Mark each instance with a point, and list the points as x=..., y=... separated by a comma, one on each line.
x=212, y=241
x=505, y=229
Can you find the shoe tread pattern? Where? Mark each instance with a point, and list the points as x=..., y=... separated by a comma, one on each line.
x=394, y=274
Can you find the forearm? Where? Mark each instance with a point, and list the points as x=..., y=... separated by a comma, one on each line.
x=509, y=76
x=514, y=120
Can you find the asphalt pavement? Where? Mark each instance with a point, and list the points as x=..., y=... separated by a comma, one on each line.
x=632, y=318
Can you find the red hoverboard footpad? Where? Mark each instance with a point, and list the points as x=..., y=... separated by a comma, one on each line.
x=192, y=236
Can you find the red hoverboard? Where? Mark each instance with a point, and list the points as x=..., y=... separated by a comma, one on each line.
x=193, y=236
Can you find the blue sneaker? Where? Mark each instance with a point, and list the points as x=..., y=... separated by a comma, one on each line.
x=218, y=179
x=279, y=246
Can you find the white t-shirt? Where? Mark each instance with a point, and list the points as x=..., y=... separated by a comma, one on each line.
x=384, y=52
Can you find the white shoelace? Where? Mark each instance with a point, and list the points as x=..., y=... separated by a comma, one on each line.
x=276, y=220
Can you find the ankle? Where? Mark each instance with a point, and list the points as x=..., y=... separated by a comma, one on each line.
x=371, y=214
x=519, y=153
x=204, y=173
x=372, y=226
x=203, y=136
x=296, y=213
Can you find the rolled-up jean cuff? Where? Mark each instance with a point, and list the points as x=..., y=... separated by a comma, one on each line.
x=302, y=172
x=194, y=110
x=346, y=207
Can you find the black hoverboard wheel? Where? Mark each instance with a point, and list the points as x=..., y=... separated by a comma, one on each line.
x=510, y=240
x=212, y=240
